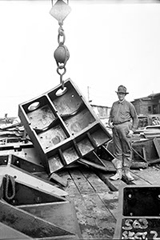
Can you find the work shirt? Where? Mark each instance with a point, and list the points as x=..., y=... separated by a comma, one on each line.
x=123, y=112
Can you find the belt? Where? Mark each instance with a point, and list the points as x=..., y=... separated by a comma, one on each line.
x=121, y=122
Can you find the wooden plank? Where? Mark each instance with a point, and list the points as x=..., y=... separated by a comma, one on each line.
x=157, y=165
x=56, y=178
x=100, y=223
x=82, y=217
x=70, y=188
x=83, y=205
x=97, y=183
x=150, y=175
x=113, y=185
x=95, y=219
x=110, y=199
x=81, y=182
x=138, y=180
x=95, y=198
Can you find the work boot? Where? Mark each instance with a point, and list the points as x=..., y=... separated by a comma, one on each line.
x=128, y=175
x=117, y=176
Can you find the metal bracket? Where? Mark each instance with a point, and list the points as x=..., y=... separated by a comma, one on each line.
x=28, y=188
x=139, y=213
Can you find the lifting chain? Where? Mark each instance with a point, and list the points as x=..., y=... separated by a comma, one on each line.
x=60, y=10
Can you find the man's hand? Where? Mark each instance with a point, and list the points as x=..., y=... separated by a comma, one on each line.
x=130, y=134
x=110, y=124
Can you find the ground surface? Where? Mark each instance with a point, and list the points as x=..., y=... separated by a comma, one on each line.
x=95, y=197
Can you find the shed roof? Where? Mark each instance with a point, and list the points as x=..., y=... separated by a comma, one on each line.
x=149, y=97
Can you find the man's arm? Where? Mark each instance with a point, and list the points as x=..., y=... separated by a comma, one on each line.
x=110, y=121
x=134, y=117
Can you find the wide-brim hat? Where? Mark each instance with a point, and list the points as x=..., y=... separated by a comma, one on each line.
x=122, y=89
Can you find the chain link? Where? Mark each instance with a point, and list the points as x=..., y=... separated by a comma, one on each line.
x=61, y=35
x=61, y=54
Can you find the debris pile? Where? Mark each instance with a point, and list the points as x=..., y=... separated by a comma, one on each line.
x=56, y=130
x=145, y=152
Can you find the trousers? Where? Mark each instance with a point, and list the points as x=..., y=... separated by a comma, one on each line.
x=122, y=145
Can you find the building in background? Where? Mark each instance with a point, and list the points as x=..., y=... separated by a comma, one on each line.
x=148, y=110
x=102, y=112
x=148, y=105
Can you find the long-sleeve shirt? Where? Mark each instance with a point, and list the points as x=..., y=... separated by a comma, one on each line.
x=122, y=112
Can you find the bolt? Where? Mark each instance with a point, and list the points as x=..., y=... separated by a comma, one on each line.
x=130, y=195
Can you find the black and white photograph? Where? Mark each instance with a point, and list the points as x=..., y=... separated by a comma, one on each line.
x=80, y=119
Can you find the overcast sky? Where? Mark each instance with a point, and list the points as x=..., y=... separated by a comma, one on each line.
x=109, y=44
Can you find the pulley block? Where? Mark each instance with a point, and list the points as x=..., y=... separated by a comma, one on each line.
x=61, y=54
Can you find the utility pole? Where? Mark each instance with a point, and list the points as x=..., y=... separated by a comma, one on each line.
x=88, y=94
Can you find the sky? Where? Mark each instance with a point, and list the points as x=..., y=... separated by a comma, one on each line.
x=110, y=43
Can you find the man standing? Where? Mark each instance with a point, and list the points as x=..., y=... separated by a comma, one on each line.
x=124, y=121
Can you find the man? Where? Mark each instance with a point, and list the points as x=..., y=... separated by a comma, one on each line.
x=124, y=121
